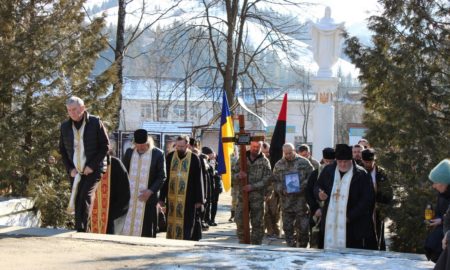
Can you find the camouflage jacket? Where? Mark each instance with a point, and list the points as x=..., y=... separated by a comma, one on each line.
x=384, y=192
x=258, y=174
x=299, y=165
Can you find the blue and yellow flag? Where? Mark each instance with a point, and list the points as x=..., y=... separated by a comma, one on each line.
x=225, y=149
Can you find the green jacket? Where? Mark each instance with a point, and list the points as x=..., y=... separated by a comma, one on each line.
x=258, y=174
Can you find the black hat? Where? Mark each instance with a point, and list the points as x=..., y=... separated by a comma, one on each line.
x=343, y=152
x=368, y=154
x=140, y=136
x=328, y=153
x=192, y=141
x=206, y=150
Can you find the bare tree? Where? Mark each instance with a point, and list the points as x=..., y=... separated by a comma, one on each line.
x=126, y=37
x=227, y=26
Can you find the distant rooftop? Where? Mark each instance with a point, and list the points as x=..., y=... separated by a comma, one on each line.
x=168, y=127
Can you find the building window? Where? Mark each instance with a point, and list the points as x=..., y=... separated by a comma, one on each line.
x=179, y=110
x=195, y=112
x=146, y=110
x=251, y=117
x=163, y=112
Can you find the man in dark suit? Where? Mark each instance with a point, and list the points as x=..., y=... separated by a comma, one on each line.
x=83, y=146
x=147, y=172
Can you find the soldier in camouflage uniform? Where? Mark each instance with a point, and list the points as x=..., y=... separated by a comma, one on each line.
x=272, y=208
x=258, y=174
x=295, y=211
x=234, y=189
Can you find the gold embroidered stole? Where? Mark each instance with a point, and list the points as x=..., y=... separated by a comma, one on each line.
x=100, y=210
x=178, y=182
x=139, y=177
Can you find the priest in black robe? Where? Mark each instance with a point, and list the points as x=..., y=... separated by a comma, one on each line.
x=145, y=164
x=112, y=197
x=347, y=188
x=183, y=193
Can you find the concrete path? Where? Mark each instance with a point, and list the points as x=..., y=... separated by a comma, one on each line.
x=34, y=248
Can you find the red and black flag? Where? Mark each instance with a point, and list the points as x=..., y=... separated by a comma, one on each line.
x=279, y=135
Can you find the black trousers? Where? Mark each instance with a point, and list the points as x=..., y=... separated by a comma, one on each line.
x=214, y=203
x=211, y=208
x=83, y=201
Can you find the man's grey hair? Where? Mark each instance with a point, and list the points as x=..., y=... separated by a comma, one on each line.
x=74, y=100
x=288, y=146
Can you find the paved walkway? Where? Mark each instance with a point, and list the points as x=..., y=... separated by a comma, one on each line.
x=49, y=249
x=225, y=231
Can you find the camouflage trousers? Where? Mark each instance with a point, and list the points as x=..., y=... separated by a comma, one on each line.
x=296, y=228
x=272, y=214
x=234, y=199
x=256, y=213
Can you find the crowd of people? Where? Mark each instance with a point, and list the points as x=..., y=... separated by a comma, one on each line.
x=146, y=192
x=338, y=202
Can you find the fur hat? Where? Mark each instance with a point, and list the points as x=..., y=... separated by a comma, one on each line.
x=206, y=150
x=368, y=154
x=140, y=136
x=328, y=153
x=343, y=152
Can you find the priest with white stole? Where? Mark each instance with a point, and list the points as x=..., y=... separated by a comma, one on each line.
x=349, y=199
x=146, y=167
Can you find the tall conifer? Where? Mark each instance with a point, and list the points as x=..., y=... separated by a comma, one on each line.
x=407, y=95
x=47, y=53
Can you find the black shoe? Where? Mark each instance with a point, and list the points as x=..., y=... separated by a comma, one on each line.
x=205, y=226
x=212, y=223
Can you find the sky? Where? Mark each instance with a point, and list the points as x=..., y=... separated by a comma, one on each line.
x=353, y=12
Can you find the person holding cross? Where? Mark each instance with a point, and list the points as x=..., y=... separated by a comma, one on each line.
x=258, y=174
x=349, y=197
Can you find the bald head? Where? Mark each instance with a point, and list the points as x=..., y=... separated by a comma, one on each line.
x=288, y=151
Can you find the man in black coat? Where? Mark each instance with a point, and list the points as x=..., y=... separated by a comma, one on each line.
x=383, y=193
x=349, y=199
x=83, y=146
x=328, y=156
x=147, y=171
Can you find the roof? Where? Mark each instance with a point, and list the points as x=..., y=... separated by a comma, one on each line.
x=169, y=89
x=168, y=127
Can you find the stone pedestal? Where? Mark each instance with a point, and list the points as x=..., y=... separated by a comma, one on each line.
x=326, y=36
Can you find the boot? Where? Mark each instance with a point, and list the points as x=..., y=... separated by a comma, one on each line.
x=231, y=219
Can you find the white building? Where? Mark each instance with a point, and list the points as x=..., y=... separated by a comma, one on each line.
x=162, y=106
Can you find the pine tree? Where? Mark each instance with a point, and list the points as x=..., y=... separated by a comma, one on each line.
x=47, y=53
x=406, y=76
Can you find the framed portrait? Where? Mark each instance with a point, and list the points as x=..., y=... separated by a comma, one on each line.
x=292, y=182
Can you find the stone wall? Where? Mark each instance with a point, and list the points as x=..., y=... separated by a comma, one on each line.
x=18, y=212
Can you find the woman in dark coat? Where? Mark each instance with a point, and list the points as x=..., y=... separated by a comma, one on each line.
x=440, y=176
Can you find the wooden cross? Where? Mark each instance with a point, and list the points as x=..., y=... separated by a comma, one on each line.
x=243, y=139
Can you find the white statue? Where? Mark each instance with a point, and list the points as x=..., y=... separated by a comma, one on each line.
x=326, y=37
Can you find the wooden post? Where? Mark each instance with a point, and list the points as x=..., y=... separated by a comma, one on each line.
x=243, y=167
